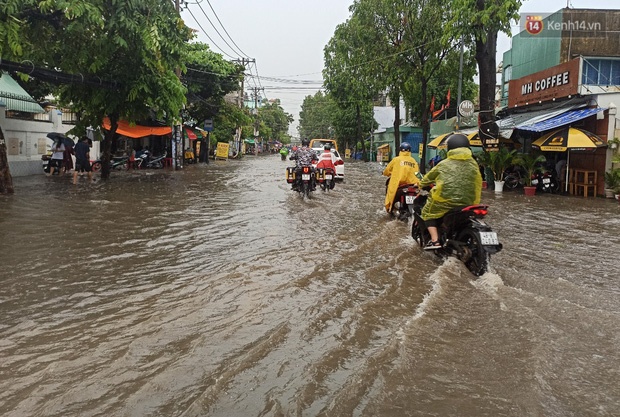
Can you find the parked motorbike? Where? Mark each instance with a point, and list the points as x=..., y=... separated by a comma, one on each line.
x=189, y=156
x=513, y=179
x=326, y=178
x=462, y=232
x=145, y=160
x=546, y=182
x=116, y=163
x=46, y=164
x=302, y=179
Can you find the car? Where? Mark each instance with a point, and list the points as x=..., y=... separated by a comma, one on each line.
x=320, y=143
x=339, y=163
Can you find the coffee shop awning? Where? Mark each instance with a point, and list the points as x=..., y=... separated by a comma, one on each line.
x=561, y=120
x=137, y=131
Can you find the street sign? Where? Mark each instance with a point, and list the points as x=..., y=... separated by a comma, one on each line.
x=466, y=108
x=208, y=125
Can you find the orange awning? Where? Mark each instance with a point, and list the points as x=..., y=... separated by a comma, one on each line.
x=137, y=131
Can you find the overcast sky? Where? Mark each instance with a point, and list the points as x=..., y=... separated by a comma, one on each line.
x=287, y=37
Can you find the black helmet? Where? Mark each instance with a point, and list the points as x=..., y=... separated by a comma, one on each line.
x=327, y=147
x=305, y=142
x=457, y=140
x=405, y=146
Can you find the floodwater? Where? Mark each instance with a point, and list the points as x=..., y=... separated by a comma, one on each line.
x=218, y=291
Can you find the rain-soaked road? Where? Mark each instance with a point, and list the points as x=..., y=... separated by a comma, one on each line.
x=217, y=291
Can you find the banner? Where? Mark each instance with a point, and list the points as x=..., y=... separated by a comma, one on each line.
x=222, y=150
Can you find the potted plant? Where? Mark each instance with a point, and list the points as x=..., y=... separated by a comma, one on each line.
x=530, y=162
x=612, y=181
x=484, y=160
x=499, y=161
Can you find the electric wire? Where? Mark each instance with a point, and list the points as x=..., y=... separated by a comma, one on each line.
x=217, y=31
x=231, y=39
x=207, y=35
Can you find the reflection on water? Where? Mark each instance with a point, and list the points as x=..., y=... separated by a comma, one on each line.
x=218, y=291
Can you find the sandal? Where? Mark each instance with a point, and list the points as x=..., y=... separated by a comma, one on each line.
x=432, y=245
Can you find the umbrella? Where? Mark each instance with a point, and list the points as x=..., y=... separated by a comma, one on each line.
x=440, y=141
x=567, y=139
x=59, y=136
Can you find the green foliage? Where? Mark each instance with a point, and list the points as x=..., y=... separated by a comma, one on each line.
x=315, y=117
x=531, y=163
x=274, y=121
x=499, y=161
x=612, y=178
x=226, y=120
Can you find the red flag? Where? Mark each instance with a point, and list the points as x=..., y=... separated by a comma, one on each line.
x=433, y=105
x=448, y=98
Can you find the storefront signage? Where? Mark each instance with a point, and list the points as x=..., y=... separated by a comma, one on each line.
x=555, y=82
x=222, y=150
x=466, y=108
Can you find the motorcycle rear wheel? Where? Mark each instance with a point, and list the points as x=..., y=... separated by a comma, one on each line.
x=96, y=167
x=305, y=191
x=418, y=235
x=478, y=262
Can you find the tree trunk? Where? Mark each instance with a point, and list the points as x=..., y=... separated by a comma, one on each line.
x=485, y=56
x=107, y=147
x=425, y=124
x=6, y=181
x=359, y=132
x=397, y=127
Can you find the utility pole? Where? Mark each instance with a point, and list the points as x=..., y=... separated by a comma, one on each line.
x=255, y=92
x=458, y=99
x=243, y=62
x=177, y=135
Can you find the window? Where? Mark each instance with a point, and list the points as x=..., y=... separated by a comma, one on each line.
x=601, y=71
x=508, y=74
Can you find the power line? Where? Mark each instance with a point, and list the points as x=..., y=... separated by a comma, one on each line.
x=217, y=31
x=218, y=19
x=207, y=35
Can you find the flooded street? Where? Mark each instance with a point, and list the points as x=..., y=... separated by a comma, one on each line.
x=218, y=291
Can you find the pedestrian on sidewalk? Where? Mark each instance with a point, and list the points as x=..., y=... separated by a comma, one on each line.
x=82, y=159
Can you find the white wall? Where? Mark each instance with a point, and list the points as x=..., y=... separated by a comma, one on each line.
x=26, y=141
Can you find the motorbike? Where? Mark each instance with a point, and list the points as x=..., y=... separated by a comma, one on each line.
x=116, y=163
x=283, y=155
x=403, y=205
x=462, y=233
x=546, y=182
x=326, y=178
x=303, y=179
x=144, y=161
x=513, y=179
x=46, y=164
x=189, y=156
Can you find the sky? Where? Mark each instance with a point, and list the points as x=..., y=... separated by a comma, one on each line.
x=286, y=39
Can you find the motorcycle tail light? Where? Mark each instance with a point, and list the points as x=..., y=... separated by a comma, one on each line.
x=306, y=170
x=481, y=212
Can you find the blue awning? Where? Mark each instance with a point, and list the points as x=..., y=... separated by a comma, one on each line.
x=561, y=120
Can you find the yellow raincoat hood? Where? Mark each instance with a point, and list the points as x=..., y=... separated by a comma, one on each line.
x=457, y=183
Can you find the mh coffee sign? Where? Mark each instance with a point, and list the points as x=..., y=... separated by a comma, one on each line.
x=555, y=82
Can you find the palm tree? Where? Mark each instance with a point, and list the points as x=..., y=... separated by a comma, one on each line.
x=530, y=163
x=500, y=160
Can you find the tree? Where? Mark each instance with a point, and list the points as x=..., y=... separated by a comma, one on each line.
x=350, y=86
x=274, y=121
x=411, y=46
x=316, y=115
x=480, y=21
x=137, y=45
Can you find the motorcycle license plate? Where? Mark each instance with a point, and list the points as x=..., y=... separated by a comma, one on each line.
x=305, y=177
x=328, y=177
x=409, y=199
x=489, y=238
x=546, y=180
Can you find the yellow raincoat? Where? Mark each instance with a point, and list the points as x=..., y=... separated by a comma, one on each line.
x=457, y=183
x=401, y=170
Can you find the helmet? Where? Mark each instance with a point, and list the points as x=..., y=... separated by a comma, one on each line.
x=305, y=142
x=405, y=146
x=327, y=147
x=457, y=140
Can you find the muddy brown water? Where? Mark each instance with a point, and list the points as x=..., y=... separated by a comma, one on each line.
x=217, y=291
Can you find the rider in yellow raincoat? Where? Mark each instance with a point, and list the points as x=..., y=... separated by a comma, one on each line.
x=457, y=183
x=401, y=170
